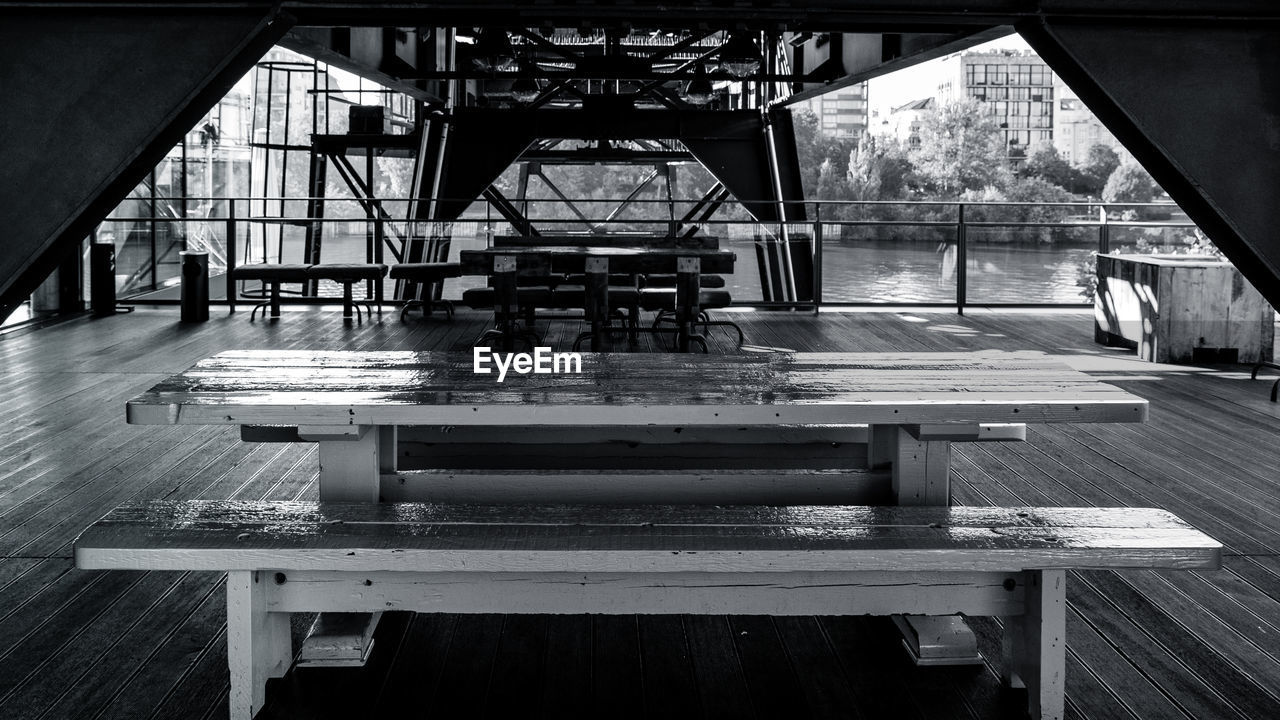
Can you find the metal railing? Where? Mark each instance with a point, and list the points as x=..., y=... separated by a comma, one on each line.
x=844, y=253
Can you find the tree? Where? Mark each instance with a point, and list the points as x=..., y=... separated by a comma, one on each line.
x=1099, y=163
x=813, y=148
x=1046, y=164
x=1130, y=183
x=1033, y=193
x=961, y=148
x=879, y=169
x=831, y=186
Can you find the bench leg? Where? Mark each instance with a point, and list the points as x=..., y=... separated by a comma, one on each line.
x=922, y=476
x=347, y=302
x=258, y=644
x=1035, y=645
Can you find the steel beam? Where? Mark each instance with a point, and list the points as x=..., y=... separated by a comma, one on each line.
x=1200, y=109
x=93, y=101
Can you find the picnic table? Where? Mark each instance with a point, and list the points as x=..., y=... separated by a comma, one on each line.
x=906, y=407
x=504, y=263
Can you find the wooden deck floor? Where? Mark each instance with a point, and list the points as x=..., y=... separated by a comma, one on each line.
x=132, y=645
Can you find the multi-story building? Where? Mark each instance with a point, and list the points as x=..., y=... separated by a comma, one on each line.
x=903, y=122
x=1076, y=128
x=1016, y=87
x=843, y=112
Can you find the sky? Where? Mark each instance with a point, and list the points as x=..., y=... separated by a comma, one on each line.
x=921, y=81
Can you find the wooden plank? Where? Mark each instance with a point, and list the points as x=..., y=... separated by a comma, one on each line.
x=670, y=689
x=722, y=687
x=518, y=667
x=632, y=390
x=664, y=435
x=193, y=648
x=412, y=681
x=636, y=241
x=371, y=537
x=614, y=456
x=616, y=672
x=543, y=259
x=751, y=593
x=339, y=639
x=771, y=680
x=637, y=486
x=566, y=682
x=468, y=667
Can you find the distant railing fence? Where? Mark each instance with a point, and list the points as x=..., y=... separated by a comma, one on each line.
x=842, y=253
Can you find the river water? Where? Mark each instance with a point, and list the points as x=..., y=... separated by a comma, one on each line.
x=888, y=271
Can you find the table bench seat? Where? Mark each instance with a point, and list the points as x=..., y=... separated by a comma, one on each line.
x=779, y=560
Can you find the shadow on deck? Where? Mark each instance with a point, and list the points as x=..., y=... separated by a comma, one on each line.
x=138, y=645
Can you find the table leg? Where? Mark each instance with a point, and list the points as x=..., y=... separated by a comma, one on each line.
x=597, y=302
x=352, y=458
x=349, y=462
x=687, y=287
x=922, y=476
x=508, y=305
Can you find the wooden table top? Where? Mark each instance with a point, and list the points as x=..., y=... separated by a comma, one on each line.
x=633, y=389
x=571, y=258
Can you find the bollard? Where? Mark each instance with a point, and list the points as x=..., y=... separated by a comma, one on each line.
x=195, y=285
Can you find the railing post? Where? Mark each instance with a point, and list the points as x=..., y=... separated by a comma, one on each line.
x=817, y=257
x=1104, y=231
x=378, y=237
x=232, y=289
x=962, y=262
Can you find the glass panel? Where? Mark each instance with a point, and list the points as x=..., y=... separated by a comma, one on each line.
x=899, y=262
x=1028, y=265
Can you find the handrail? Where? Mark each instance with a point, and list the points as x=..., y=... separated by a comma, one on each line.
x=946, y=221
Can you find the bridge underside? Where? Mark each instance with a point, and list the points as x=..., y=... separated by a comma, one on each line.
x=95, y=98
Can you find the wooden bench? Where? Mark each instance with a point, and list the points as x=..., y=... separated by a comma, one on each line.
x=574, y=559
x=348, y=274
x=272, y=275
